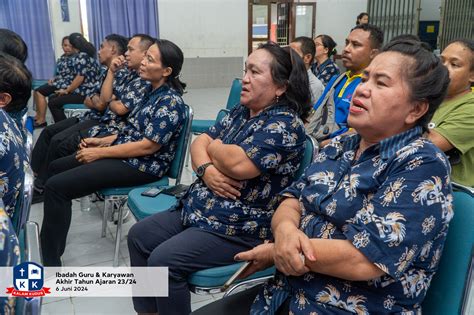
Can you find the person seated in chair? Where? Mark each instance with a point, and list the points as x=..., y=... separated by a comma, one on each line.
x=242, y=162
x=362, y=45
x=15, y=90
x=128, y=90
x=451, y=128
x=9, y=255
x=141, y=153
x=86, y=75
x=364, y=228
x=306, y=49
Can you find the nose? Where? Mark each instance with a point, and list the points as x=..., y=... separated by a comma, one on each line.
x=246, y=78
x=362, y=90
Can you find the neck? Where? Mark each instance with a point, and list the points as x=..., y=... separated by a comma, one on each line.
x=462, y=93
x=157, y=84
x=364, y=144
x=353, y=72
x=321, y=59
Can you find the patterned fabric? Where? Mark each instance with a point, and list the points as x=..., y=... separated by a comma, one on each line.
x=94, y=114
x=88, y=68
x=130, y=89
x=13, y=161
x=158, y=118
x=275, y=141
x=64, y=72
x=9, y=255
x=325, y=71
x=342, y=99
x=394, y=204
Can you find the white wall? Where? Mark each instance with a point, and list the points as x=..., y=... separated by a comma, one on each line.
x=205, y=28
x=60, y=28
x=337, y=17
x=430, y=10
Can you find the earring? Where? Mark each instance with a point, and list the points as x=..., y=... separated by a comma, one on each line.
x=277, y=98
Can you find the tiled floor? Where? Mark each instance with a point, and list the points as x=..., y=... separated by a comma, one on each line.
x=85, y=247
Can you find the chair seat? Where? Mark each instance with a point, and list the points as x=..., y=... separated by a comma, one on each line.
x=200, y=125
x=217, y=276
x=143, y=207
x=118, y=191
x=37, y=83
x=74, y=106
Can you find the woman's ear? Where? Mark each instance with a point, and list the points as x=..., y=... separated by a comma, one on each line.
x=418, y=110
x=167, y=71
x=5, y=99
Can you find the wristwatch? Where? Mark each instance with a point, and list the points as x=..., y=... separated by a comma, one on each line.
x=202, y=169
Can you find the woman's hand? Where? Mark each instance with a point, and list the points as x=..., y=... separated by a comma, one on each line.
x=220, y=184
x=88, y=155
x=117, y=63
x=261, y=257
x=51, y=81
x=290, y=244
x=92, y=143
x=61, y=92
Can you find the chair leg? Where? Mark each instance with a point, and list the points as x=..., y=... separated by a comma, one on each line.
x=188, y=152
x=105, y=215
x=118, y=235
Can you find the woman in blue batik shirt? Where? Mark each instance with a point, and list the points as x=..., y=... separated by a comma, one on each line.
x=141, y=153
x=63, y=77
x=85, y=70
x=324, y=68
x=242, y=162
x=363, y=230
x=9, y=255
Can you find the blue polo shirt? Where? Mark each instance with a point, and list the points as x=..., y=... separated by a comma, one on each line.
x=342, y=98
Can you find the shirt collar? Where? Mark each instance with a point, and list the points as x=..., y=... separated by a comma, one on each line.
x=352, y=77
x=387, y=147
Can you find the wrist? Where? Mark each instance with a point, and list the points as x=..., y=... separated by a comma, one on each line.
x=284, y=227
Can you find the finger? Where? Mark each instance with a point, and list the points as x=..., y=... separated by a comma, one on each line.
x=307, y=248
x=244, y=256
x=229, y=190
x=253, y=268
x=233, y=182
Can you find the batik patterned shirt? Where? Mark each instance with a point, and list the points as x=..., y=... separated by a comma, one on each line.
x=275, y=141
x=130, y=89
x=13, y=161
x=9, y=255
x=64, y=72
x=94, y=114
x=86, y=66
x=325, y=71
x=159, y=118
x=394, y=204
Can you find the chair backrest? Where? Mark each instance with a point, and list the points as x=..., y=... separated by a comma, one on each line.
x=177, y=165
x=311, y=145
x=234, y=94
x=447, y=292
x=23, y=204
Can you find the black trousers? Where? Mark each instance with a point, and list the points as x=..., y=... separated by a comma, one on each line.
x=46, y=89
x=58, y=140
x=56, y=103
x=69, y=179
x=161, y=240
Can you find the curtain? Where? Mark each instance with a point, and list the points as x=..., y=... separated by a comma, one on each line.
x=124, y=17
x=30, y=20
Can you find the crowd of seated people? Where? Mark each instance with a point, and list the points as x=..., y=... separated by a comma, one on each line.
x=346, y=237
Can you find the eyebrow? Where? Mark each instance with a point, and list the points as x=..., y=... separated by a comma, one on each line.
x=377, y=75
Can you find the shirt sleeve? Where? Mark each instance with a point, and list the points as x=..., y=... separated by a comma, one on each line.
x=222, y=125
x=80, y=66
x=411, y=207
x=132, y=94
x=458, y=128
x=276, y=143
x=167, y=117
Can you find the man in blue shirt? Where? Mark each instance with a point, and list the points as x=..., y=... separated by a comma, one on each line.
x=362, y=44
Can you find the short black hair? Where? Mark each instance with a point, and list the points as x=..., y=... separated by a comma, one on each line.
x=427, y=78
x=307, y=46
x=11, y=43
x=15, y=79
x=376, y=34
x=120, y=41
x=145, y=40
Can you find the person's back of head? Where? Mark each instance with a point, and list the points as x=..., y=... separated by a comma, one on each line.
x=145, y=41
x=80, y=43
x=119, y=41
x=428, y=79
x=11, y=43
x=307, y=49
x=15, y=83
